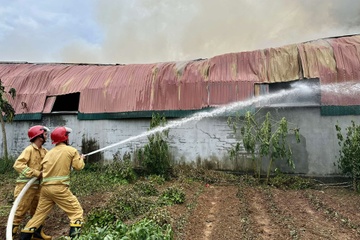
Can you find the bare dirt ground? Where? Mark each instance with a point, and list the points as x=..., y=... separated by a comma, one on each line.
x=238, y=211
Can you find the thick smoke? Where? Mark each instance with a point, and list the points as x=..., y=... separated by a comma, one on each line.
x=145, y=31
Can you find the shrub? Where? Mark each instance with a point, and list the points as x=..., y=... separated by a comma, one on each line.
x=156, y=179
x=348, y=161
x=102, y=177
x=145, y=189
x=172, y=195
x=120, y=170
x=284, y=181
x=143, y=229
x=190, y=173
x=6, y=165
x=89, y=145
x=160, y=216
x=155, y=158
x=86, y=182
x=128, y=204
x=99, y=218
x=147, y=229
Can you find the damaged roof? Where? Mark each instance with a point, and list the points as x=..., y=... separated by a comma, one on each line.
x=182, y=86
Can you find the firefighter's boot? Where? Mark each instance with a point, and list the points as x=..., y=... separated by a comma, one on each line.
x=15, y=229
x=75, y=229
x=26, y=234
x=40, y=235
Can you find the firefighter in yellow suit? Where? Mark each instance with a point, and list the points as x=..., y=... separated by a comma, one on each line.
x=28, y=166
x=56, y=167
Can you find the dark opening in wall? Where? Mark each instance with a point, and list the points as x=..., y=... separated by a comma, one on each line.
x=308, y=94
x=66, y=103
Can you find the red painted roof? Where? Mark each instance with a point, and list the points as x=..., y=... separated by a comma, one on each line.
x=188, y=85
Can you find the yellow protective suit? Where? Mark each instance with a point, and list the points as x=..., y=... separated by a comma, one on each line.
x=55, y=186
x=28, y=165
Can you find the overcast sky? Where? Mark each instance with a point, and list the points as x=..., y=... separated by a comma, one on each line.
x=148, y=31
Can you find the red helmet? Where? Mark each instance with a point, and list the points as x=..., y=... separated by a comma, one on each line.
x=60, y=134
x=36, y=131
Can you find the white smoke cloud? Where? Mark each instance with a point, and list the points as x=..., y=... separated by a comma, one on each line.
x=145, y=31
x=159, y=30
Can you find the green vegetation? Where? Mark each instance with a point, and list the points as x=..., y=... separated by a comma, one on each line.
x=130, y=202
x=155, y=157
x=107, y=176
x=143, y=229
x=265, y=139
x=6, y=165
x=284, y=181
x=89, y=145
x=189, y=173
x=156, y=179
x=146, y=189
x=349, y=162
x=172, y=195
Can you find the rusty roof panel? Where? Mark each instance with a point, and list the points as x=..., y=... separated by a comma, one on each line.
x=187, y=85
x=282, y=64
x=49, y=103
x=269, y=65
x=244, y=66
x=317, y=60
x=347, y=57
x=28, y=103
x=226, y=92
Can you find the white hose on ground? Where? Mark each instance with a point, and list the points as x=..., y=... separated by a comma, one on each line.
x=14, y=207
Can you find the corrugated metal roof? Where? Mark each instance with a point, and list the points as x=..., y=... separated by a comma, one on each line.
x=188, y=85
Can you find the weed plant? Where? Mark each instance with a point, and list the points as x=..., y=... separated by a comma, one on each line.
x=172, y=195
x=129, y=204
x=140, y=200
x=284, y=181
x=186, y=173
x=146, y=189
x=6, y=166
x=126, y=204
x=99, y=177
x=160, y=216
x=156, y=179
x=99, y=217
x=143, y=229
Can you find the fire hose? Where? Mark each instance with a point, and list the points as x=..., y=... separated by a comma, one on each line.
x=14, y=207
x=24, y=190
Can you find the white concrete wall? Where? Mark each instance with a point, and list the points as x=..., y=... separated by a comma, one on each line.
x=208, y=138
x=204, y=138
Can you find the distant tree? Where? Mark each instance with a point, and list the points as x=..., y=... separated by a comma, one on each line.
x=7, y=114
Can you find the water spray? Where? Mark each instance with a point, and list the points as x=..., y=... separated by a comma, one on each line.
x=297, y=89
